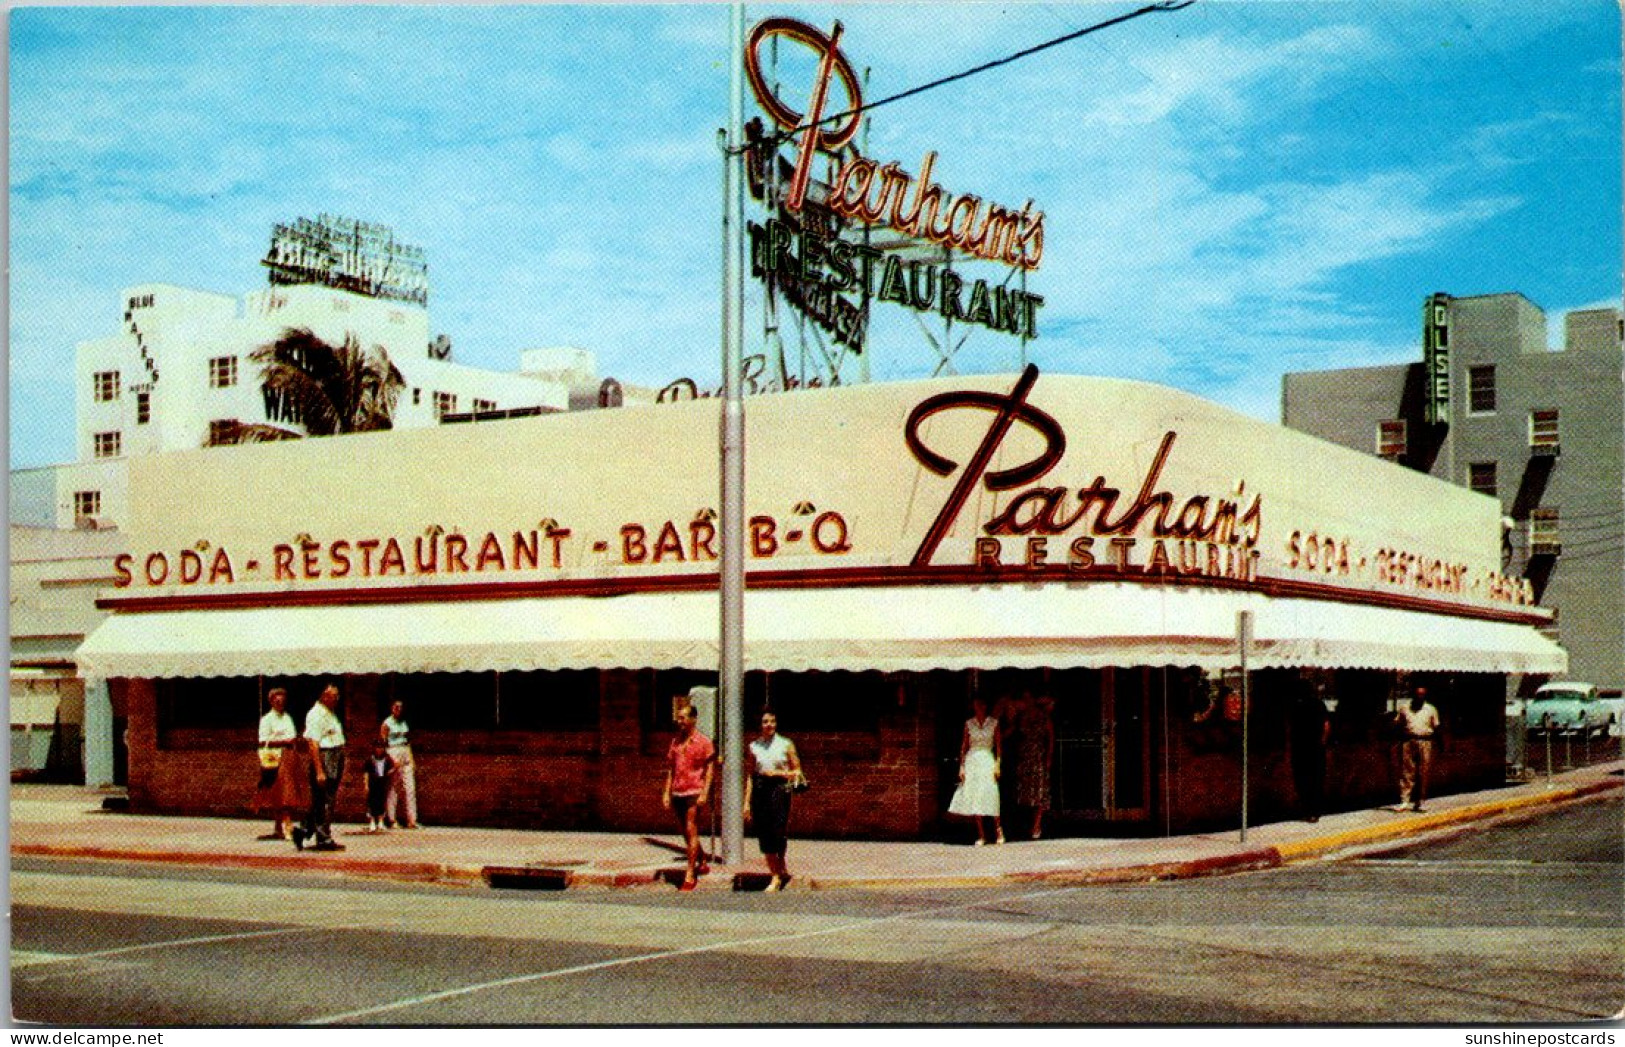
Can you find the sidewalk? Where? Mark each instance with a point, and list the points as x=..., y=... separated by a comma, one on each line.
x=68, y=822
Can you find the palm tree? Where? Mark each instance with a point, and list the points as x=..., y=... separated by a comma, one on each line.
x=324, y=389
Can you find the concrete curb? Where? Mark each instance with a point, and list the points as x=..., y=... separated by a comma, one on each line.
x=1305, y=850
x=1402, y=826
x=418, y=872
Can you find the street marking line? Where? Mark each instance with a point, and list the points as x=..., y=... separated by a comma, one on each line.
x=625, y=961
x=53, y=958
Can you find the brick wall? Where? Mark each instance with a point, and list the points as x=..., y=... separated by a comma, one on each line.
x=867, y=784
x=882, y=783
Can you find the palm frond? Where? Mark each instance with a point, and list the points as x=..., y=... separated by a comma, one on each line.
x=247, y=433
x=325, y=388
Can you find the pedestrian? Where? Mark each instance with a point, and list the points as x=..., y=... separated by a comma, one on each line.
x=690, y=764
x=380, y=774
x=977, y=796
x=403, y=786
x=324, y=739
x=278, y=786
x=1419, y=726
x=772, y=773
x=1310, y=732
x=1035, y=753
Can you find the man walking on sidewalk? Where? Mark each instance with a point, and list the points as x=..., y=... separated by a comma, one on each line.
x=324, y=735
x=691, y=761
x=1419, y=723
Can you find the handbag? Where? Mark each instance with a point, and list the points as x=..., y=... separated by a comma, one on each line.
x=799, y=783
x=270, y=758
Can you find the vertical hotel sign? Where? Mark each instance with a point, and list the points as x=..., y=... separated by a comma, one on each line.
x=869, y=193
x=1436, y=359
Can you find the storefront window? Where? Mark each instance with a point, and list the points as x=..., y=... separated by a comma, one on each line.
x=658, y=687
x=446, y=701
x=566, y=700
x=813, y=701
x=510, y=701
x=1363, y=703
x=209, y=704
x=821, y=701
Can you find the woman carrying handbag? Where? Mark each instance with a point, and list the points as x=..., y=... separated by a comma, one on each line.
x=773, y=774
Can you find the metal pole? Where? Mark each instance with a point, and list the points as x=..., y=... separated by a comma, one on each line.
x=731, y=671
x=1244, y=639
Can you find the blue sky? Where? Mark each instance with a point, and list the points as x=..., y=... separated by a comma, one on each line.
x=1231, y=191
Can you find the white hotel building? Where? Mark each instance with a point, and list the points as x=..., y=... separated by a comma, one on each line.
x=178, y=369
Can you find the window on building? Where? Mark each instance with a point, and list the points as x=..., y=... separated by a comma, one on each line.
x=206, y=704
x=483, y=406
x=446, y=701
x=222, y=372
x=87, y=503
x=444, y=404
x=658, y=688
x=108, y=445
x=1391, y=438
x=1544, y=539
x=1481, y=389
x=143, y=408
x=106, y=386
x=223, y=431
x=838, y=700
x=561, y=700
x=1481, y=478
x=565, y=700
x=1543, y=438
x=417, y=396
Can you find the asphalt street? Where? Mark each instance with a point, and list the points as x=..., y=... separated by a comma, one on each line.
x=1515, y=923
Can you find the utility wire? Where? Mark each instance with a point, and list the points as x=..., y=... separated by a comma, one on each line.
x=1161, y=5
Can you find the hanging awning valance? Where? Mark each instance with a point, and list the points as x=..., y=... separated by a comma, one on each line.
x=896, y=628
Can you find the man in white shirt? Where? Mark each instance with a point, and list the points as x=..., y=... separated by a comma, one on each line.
x=324, y=734
x=1420, y=725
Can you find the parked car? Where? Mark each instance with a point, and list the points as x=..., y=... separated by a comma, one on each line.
x=1614, y=699
x=1571, y=707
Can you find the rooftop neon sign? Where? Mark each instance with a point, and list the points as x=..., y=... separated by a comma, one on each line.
x=874, y=193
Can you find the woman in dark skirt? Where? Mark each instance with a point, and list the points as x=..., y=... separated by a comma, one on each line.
x=774, y=769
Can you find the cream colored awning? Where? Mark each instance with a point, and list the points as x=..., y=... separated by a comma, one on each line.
x=887, y=628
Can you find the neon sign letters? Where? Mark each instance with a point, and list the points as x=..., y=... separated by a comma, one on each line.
x=816, y=266
x=873, y=193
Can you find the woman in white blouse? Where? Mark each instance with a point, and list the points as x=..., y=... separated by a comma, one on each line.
x=773, y=768
x=278, y=776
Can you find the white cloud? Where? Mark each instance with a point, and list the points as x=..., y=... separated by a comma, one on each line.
x=1216, y=74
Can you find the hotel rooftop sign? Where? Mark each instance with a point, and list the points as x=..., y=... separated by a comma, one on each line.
x=351, y=255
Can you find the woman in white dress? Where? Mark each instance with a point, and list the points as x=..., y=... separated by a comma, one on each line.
x=978, y=794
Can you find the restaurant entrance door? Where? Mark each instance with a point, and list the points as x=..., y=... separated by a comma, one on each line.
x=1101, y=766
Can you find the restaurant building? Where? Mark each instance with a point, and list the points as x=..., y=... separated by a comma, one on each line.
x=538, y=591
